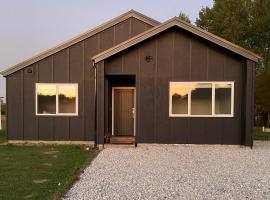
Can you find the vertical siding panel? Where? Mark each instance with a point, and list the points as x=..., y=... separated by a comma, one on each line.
x=68, y=78
x=181, y=58
x=147, y=71
x=100, y=102
x=114, y=65
x=130, y=62
x=60, y=69
x=215, y=65
x=163, y=77
x=233, y=72
x=15, y=94
x=197, y=130
x=83, y=89
x=14, y=106
x=52, y=81
x=181, y=71
x=30, y=119
x=106, y=39
x=7, y=110
x=45, y=124
x=137, y=26
x=139, y=136
x=249, y=102
x=22, y=102
x=198, y=61
x=121, y=32
x=155, y=91
x=37, y=80
x=198, y=73
x=91, y=48
x=76, y=76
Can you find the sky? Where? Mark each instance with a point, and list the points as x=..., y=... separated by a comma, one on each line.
x=31, y=26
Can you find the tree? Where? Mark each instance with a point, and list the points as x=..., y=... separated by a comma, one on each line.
x=259, y=32
x=183, y=16
x=228, y=19
x=246, y=23
x=262, y=95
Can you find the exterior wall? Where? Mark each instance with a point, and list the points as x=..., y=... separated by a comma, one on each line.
x=179, y=56
x=71, y=65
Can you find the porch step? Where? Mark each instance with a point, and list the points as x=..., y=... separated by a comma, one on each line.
x=122, y=140
x=119, y=146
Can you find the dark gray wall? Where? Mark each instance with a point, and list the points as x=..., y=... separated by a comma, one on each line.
x=180, y=56
x=71, y=65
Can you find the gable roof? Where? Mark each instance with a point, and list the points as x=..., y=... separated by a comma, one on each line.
x=76, y=39
x=184, y=25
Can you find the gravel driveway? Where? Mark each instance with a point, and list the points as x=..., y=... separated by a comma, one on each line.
x=177, y=172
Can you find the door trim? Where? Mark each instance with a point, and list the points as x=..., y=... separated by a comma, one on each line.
x=125, y=88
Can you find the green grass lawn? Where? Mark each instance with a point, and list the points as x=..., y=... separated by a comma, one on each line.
x=39, y=172
x=2, y=136
x=259, y=135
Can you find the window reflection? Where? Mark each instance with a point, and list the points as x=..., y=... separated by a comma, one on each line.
x=179, y=99
x=46, y=99
x=201, y=99
x=67, y=98
x=223, y=98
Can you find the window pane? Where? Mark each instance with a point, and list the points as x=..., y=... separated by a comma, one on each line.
x=223, y=98
x=179, y=99
x=67, y=98
x=46, y=99
x=201, y=99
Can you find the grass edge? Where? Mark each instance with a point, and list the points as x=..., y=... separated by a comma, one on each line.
x=75, y=176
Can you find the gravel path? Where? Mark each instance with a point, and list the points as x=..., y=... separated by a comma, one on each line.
x=177, y=172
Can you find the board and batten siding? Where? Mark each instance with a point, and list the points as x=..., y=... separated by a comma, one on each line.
x=70, y=65
x=180, y=56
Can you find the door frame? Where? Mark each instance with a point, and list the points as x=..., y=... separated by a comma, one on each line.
x=125, y=88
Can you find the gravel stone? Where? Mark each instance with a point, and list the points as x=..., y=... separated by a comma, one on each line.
x=177, y=172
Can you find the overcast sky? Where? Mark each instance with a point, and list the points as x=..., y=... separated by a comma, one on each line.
x=29, y=27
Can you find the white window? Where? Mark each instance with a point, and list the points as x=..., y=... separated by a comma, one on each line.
x=56, y=99
x=201, y=99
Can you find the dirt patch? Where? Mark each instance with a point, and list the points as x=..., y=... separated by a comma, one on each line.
x=39, y=181
x=50, y=152
x=28, y=196
x=47, y=164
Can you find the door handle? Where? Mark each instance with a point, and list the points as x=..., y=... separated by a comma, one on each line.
x=133, y=112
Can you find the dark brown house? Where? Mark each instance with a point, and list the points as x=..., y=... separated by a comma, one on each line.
x=134, y=78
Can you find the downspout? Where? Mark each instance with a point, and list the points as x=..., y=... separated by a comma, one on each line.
x=95, y=102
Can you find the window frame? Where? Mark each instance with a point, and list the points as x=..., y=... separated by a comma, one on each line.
x=213, y=83
x=57, y=99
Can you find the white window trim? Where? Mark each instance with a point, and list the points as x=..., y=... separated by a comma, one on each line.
x=213, y=99
x=57, y=109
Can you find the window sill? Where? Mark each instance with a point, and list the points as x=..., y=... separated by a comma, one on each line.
x=205, y=116
x=57, y=115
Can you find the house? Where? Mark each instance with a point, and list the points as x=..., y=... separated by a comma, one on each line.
x=134, y=79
